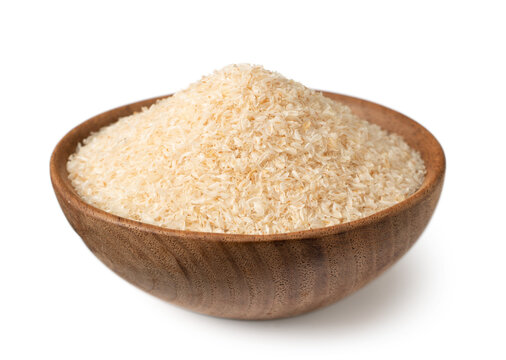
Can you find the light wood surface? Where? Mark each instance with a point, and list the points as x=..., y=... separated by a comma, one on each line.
x=254, y=276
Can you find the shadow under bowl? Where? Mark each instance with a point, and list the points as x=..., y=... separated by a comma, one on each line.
x=254, y=276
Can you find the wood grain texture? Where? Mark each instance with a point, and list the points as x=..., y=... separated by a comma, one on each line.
x=255, y=276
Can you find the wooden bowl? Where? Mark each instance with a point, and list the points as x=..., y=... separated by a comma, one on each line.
x=254, y=276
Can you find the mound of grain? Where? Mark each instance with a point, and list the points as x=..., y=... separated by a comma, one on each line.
x=248, y=151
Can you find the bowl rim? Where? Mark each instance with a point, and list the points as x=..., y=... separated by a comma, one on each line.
x=434, y=175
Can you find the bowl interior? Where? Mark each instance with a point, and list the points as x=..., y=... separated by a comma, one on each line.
x=412, y=132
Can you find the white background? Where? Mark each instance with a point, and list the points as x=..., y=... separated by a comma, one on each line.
x=441, y=63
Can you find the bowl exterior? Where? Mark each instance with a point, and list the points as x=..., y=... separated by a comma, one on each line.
x=252, y=277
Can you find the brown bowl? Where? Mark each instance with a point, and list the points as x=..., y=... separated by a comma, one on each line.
x=255, y=276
